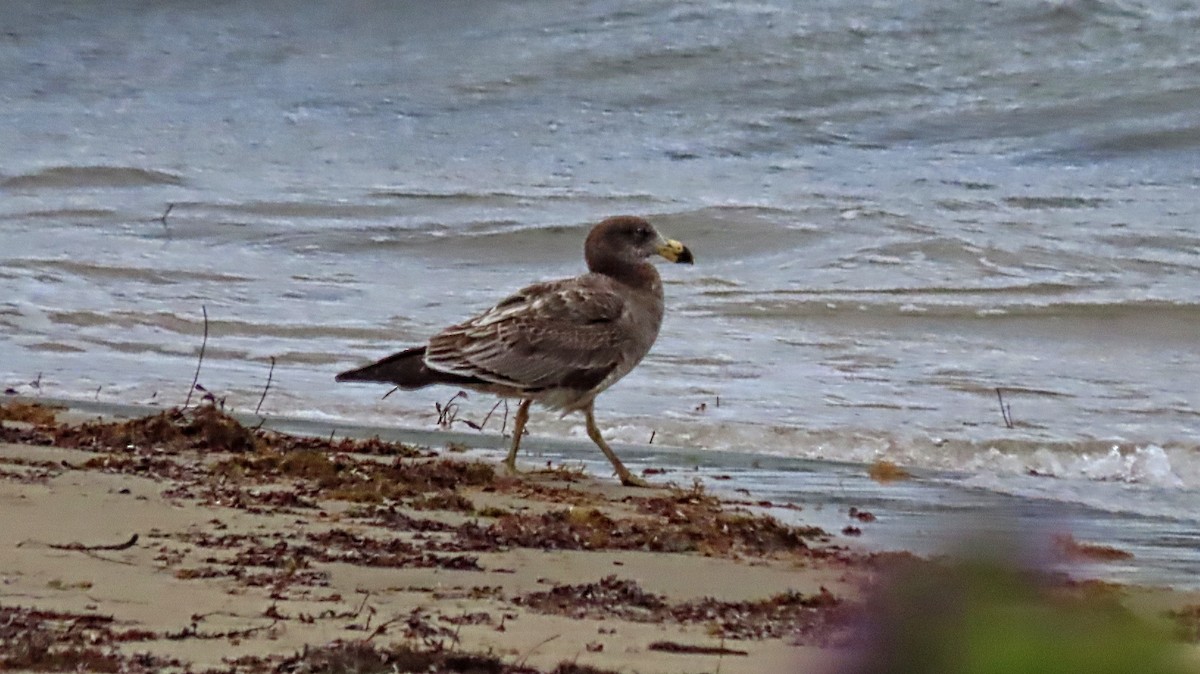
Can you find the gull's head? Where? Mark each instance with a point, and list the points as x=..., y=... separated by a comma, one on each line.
x=629, y=239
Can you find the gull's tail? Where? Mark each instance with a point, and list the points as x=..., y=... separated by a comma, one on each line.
x=406, y=369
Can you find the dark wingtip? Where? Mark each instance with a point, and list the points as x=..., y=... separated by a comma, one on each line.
x=685, y=257
x=351, y=375
x=405, y=369
x=366, y=373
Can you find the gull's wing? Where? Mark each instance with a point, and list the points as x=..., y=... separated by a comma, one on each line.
x=559, y=334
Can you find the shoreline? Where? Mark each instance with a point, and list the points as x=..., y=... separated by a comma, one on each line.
x=272, y=545
x=920, y=511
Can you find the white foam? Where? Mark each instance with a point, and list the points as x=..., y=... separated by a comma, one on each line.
x=1145, y=465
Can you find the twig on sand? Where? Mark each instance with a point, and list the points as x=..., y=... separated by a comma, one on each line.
x=191, y=632
x=1004, y=409
x=381, y=628
x=674, y=647
x=721, y=654
x=543, y=642
x=266, y=388
x=199, y=361
x=458, y=627
x=86, y=548
x=366, y=595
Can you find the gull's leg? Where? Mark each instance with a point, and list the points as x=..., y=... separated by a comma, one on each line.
x=510, y=463
x=627, y=478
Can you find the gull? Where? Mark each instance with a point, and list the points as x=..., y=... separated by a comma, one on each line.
x=558, y=343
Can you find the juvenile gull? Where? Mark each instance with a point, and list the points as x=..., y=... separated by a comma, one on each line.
x=558, y=343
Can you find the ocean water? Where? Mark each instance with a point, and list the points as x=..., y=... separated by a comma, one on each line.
x=896, y=210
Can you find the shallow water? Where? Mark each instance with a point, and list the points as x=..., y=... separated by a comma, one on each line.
x=896, y=210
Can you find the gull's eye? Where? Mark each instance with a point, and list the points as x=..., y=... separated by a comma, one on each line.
x=642, y=233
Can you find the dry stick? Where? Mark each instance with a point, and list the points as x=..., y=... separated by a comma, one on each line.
x=84, y=548
x=381, y=628
x=543, y=642
x=489, y=414
x=1004, y=409
x=200, y=361
x=366, y=595
x=722, y=653
x=190, y=632
x=448, y=413
x=89, y=549
x=458, y=627
x=199, y=617
x=167, y=212
x=675, y=647
x=267, y=387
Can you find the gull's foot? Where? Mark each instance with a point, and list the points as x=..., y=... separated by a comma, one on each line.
x=630, y=480
x=510, y=468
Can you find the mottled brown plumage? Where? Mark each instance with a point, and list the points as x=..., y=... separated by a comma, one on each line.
x=559, y=343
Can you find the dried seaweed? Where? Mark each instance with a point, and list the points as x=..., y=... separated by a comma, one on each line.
x=668, y=527
x=205, y=428
x=1069, y=548
x=442, y=500
x=884, y=471
x=335, y=545
x=610, y=597
x=44, y=640
x=341, y=477
x=391, y=517
x=364, y=657
x=30, y=413
x=789, y=613
x=33, y=471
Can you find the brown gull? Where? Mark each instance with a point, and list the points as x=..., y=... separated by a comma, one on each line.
x=558, y=343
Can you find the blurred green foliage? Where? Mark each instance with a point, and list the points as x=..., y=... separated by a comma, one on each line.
x=985, y=618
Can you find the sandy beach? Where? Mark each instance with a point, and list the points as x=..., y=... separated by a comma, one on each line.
x=186, y=541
